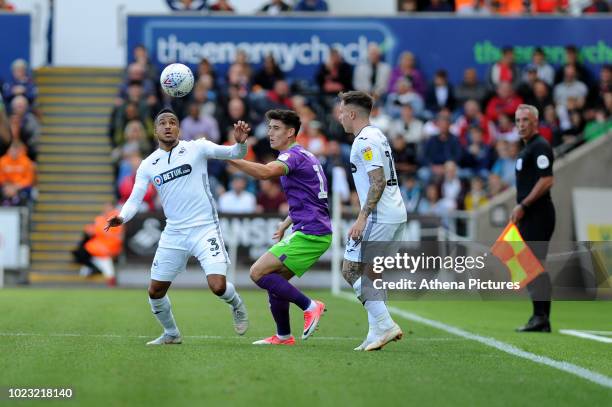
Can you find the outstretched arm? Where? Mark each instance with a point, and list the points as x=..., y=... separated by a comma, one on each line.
x=260, y=171
x=130, y=208
x=238, y=150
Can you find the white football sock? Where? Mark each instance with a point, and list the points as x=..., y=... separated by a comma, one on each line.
x=312, y=306
x=371, y=326
x=379, y=312
x=162, y=309
x=230, y=295
x=283, y=337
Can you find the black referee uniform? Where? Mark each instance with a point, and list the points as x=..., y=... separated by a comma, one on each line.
x=537, y=225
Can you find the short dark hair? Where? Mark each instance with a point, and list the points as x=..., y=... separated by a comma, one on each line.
x=288, y=117
x=165, y=110
x=358, y=98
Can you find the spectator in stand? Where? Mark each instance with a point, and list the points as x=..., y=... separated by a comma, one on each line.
x=599, y=126
x=333, y=77
x=549, y=6
x=196, y=125
x=476, y=196
x=544, y=70
x=505, y=164
x=598, y=6
x=20, y=83
x=379, y=118
x=279, y=97
x=504, y=70
x=411, y=193
x=99, y=246
x=525, y=87
x=406, y=69
x=603, y=86
x=206, y=69
x=6, y=6
x=312, y=138
x=275, y=7
x=236, y=110
x=240, y=72
x=17, y=175
x=133, y=108
x=443, y=6
x=451, y=185
x=470, y=88
x=5, y=130
x=311, y=5
x=405, y=95
x=576, y=128
x=541, y=96
x=137, y=75
x=24, y=126
x=408, y=127
x=571, y=58
x=466, y=7
x=238, y=200
x=205, y=97
x=404, y=156
x=222, y=5
x=269, y=73
x=432, y=205
x=505, y=129
x=549, y=125
x=477, y=156
x=408, y=6
x=440, y=94
x=495, y=185
x=571, y=87
x=505, y=101
x=438, y=150
x=372, y=76
x=472, y=117
x=187, y=5
x=135, y=142
x=141, y=57
x=126, y=180
x=271, y=198
x=508, y=7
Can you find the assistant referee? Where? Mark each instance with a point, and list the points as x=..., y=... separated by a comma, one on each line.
x=534, y=213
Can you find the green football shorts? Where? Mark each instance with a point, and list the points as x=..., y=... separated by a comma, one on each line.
x=299, y=251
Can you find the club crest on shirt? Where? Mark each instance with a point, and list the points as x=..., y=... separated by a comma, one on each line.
x=283, y=157
x=367, y=153
x=182, y=150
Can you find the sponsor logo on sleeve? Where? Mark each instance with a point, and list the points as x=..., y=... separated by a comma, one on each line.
x=367, y=153
x=542, y=162
x=283, y=157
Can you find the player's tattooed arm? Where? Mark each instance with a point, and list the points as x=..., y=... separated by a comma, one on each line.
x=351, y=271
x=377, y=187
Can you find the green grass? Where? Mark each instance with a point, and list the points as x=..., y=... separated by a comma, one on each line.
x=215, y=367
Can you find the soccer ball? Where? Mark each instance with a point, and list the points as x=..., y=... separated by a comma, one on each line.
x=176, y=80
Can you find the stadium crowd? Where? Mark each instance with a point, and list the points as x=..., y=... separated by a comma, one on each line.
x=19, y=134
x=455, y=145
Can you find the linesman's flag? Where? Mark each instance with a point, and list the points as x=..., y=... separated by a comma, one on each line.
x=512, y=250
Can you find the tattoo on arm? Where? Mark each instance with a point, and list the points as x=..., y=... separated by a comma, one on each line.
x=351, y=271
x=377, y=187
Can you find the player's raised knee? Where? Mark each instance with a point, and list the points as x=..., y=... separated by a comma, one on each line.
x=156, y=292
x=255, y=273
x=218, y=287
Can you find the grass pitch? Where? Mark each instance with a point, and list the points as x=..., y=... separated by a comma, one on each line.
x=93, y=342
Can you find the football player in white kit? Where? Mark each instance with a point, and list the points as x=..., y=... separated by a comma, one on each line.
x=383, y=214
x=178, y=171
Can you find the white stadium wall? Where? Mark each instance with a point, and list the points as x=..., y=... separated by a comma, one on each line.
x=92, y=33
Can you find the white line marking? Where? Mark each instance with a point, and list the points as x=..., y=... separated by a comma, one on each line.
x=576, y=370
x=586, y=335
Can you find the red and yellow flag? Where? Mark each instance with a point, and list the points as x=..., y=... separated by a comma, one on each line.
x=512, y=250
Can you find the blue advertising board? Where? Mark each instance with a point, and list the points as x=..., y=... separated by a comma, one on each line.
x=301, y=44
x=15, y=34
